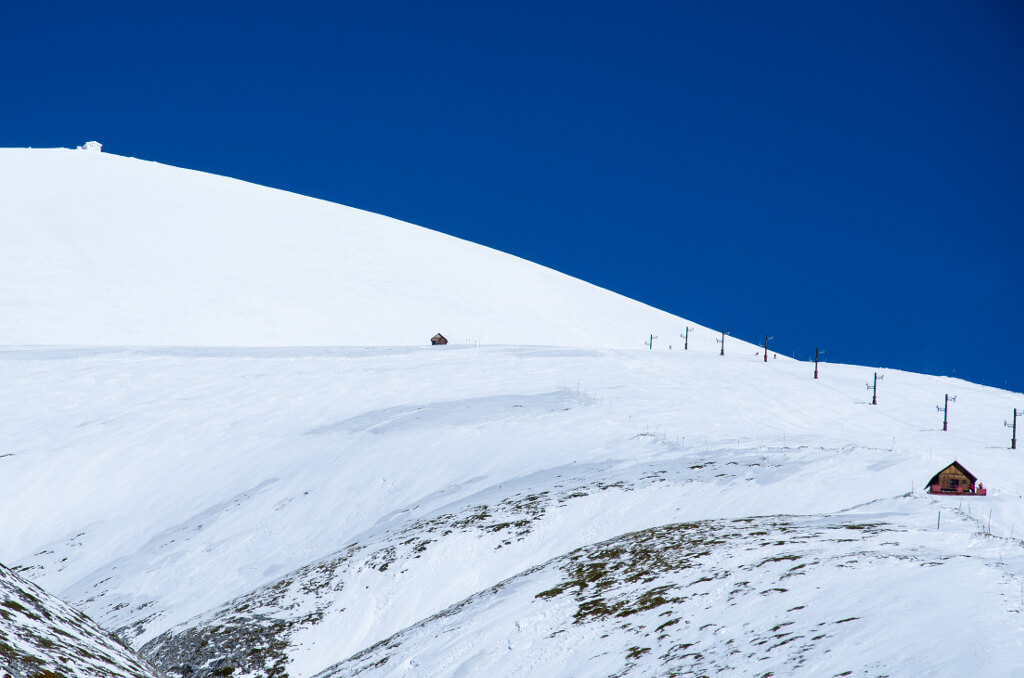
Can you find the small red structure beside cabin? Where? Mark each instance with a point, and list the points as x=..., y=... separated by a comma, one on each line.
x=438, y=340
x=955, y=479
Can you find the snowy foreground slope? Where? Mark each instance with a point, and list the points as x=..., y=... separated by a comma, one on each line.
x=43, y=636
x=512, y=511
x=101, y=249
x=542, y=497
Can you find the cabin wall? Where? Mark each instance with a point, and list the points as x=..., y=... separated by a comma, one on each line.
x=947, y=476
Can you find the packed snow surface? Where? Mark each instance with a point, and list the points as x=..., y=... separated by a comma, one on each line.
x=224, y=439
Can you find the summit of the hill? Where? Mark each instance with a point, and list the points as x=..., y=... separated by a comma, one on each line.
x=100, y=249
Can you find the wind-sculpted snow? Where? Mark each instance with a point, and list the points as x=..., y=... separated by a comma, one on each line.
x=43, y=637
x=457, y=412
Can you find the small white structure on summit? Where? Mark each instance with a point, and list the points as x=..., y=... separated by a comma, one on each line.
x=93, y=146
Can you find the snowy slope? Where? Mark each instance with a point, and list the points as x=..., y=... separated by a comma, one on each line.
x=371, y=505
x=101, y=249
x=317, y=501
x=42, y=636
x=819, y=596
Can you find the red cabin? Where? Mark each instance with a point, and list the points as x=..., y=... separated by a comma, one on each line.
x=955, y=479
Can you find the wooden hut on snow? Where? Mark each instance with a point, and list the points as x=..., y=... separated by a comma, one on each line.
x=438, y=340
x=955, y=479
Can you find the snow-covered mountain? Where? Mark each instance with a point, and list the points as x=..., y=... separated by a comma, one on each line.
x=383, y=507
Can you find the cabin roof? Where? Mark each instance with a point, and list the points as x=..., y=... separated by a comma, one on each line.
x=957, y=465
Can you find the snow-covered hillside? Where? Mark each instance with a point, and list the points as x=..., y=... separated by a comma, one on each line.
x=43, y=636
x=588, y=507
x=100, y=249
x=864, y=592
x=308, y=503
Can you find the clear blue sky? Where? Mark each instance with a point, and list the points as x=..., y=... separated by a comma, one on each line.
x=847, y=175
